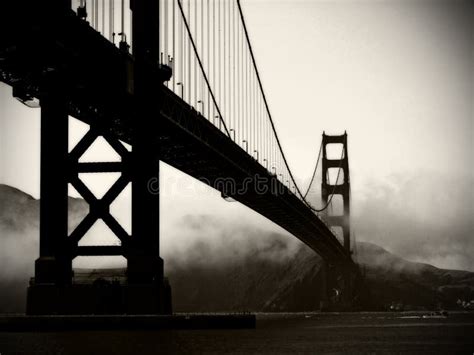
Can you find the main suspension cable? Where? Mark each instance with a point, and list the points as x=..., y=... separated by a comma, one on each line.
x=314, y=171
x=298, y=190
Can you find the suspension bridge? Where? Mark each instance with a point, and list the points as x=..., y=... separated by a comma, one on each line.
x=177, y=81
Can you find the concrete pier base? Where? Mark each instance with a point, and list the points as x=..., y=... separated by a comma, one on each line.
x=106, y=298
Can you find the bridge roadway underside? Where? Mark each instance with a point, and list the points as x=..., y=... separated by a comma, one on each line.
x=96, y=77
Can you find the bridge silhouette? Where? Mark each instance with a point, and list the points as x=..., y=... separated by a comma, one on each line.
x=178, y=82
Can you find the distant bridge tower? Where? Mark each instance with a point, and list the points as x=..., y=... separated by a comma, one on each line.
x=343, y=189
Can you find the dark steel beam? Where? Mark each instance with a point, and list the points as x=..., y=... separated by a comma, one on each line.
x=99, y=167
x=99, y=250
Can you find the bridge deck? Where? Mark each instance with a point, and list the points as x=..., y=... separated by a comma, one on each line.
x=48, y=39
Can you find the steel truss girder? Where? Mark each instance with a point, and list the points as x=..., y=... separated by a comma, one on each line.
x=99, y=208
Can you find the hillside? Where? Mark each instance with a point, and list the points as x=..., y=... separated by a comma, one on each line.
x=390, y=278
x=295, y=285
x=19, y=242
x=269, y=276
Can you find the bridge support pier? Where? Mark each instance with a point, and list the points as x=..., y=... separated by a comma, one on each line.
x=337, y=286
x=324, y=297
x=145, y=291
x=53, y=291
x=54, y=264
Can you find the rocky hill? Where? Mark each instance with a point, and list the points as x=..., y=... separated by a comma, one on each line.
x=295, y=284
x=269, y=276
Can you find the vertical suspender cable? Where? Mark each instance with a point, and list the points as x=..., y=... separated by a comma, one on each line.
x=93, y=13
x=255, y=109
x=208, y=20
x=227, y=81
x=122, y=24
x=174, y=45
x=262, y=131
x=214, y=53
x=195, y=61
x=202, y=53
x=160, y=31
x=219, y=53
x=251, y=105
x=183, y=52
x=228, y=65
x=248, y=96
x=165, y=32
x=103, y=18
x=257, y=117
x=249, y=100
x=255, y=124
x=202, y=70
x=244, y=94
x=227, y=78
x=234, y=91
x=224, y=54
x=239, y=108
x=111, y=20
x=189, y=84
x=254, y=117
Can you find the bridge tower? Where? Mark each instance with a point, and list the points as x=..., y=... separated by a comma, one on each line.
x=341, y=281
x=52, y=290
x=343, y=189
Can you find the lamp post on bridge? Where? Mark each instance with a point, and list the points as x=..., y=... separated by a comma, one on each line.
x=182, y=89
x=123, y=45
x=233, y=133
x=246, y=145
x=202, y=105
x=256, y=151
x=274, y=170
x=266, y=163
x=171, y=64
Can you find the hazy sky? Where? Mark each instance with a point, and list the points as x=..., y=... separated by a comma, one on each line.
x=397, y=75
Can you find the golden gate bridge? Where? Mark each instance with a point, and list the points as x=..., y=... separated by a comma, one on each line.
x=176, y=80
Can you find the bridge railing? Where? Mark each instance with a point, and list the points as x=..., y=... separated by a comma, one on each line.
x=111, y=18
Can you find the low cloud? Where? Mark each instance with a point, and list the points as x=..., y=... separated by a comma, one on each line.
x=426, y=218
x=210, y=241
x=401, y=214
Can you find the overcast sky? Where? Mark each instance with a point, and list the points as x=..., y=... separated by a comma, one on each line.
x=396, y=74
